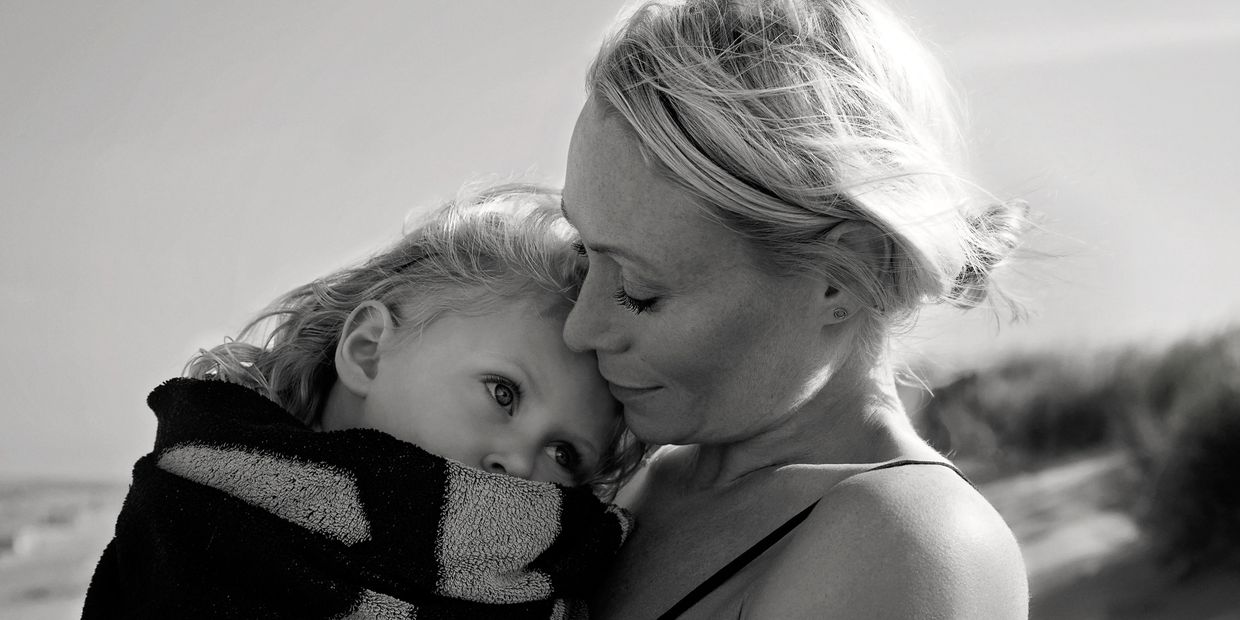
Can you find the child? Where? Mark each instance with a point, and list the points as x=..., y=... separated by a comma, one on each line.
x=448, y=404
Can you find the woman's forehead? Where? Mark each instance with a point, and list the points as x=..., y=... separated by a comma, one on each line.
x=618, y=203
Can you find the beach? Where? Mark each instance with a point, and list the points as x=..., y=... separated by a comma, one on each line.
x=51, y=536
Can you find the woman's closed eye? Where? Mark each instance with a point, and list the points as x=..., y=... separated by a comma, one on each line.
x=636, y=305
x=633, y=304
x=504, y=391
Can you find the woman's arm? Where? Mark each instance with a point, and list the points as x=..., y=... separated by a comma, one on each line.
x=912, y=542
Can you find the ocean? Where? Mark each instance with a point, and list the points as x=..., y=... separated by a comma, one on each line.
x=51, y=536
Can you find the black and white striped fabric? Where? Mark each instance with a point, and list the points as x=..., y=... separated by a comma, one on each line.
x=243, y=512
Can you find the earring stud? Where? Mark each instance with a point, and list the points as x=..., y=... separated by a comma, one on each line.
x=840, y=314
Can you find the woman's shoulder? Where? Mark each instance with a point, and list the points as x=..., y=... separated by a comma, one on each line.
x=897, y=542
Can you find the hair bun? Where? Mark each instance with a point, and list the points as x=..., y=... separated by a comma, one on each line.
x=989, y=238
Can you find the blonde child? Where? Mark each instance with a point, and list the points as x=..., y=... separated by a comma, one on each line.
x=412, y=438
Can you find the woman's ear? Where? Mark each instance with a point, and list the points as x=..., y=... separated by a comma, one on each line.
x=864, y=243
x=361, y=339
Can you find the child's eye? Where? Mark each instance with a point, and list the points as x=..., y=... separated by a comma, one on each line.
x=503, y=395
x=504, y=392
x=633, y=304
x=564, y=455
x=579, y=248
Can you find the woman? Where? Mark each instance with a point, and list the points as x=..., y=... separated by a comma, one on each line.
x=765, y=190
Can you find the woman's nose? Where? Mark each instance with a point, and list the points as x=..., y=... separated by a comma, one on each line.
x=587, y=328
x=511, y=462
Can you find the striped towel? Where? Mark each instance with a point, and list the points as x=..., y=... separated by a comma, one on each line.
x=241, y=511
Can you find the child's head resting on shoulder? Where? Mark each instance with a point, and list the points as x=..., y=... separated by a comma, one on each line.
x=450, y=339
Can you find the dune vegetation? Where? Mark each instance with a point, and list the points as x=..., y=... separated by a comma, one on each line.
x=1172, y=415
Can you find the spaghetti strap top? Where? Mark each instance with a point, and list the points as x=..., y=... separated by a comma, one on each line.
x=748, y=555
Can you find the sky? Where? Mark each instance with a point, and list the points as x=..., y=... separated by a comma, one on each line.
x=166, y=169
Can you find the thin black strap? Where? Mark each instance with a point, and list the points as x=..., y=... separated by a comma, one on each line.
x=917, y=462
x=747, y=556
x=737, y=563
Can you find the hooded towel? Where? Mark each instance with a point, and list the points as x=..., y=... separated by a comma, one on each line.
x=241, y=511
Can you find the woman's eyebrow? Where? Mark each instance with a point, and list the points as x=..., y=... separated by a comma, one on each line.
x=603, y=248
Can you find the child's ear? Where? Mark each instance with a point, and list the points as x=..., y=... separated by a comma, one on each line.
x=357, y=354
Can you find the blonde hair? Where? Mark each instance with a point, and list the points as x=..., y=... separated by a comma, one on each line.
x=472, y=255
x=784, y=118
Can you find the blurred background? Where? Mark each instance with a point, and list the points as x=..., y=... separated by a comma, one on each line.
x=166, y=169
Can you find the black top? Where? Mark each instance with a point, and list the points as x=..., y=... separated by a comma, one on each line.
x=748, y=555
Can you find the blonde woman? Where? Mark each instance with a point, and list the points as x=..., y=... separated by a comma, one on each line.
x=765, y=190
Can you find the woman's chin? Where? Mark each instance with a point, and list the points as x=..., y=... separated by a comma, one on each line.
x=656, y=426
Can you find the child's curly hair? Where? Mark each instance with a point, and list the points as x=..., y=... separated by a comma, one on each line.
x=483, y=250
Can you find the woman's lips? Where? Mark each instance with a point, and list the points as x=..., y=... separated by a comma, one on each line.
x=625, y=394
x=624, y=390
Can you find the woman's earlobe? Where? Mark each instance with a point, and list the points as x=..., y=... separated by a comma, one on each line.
x=837, y=305
x=359, y=348
x=839, y=310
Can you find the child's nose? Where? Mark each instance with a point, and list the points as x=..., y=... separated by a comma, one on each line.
x=512, y=463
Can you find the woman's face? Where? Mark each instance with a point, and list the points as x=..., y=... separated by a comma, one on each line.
x=697, y=343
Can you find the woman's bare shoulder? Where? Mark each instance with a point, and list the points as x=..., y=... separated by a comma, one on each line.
x=903, y=542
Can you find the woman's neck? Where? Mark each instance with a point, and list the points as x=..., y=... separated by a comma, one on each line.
x=856, y=417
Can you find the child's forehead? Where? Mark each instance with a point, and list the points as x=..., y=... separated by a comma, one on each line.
x=511, y=324
x=533, y=303
x=535, y=306
x=554, y=308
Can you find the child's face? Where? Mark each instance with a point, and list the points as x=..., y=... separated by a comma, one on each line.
x=501, y=392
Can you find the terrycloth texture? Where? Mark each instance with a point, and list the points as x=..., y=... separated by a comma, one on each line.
x=243, y=512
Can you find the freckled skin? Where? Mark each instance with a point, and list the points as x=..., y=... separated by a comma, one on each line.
x=725, y=344
x=771, y=407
